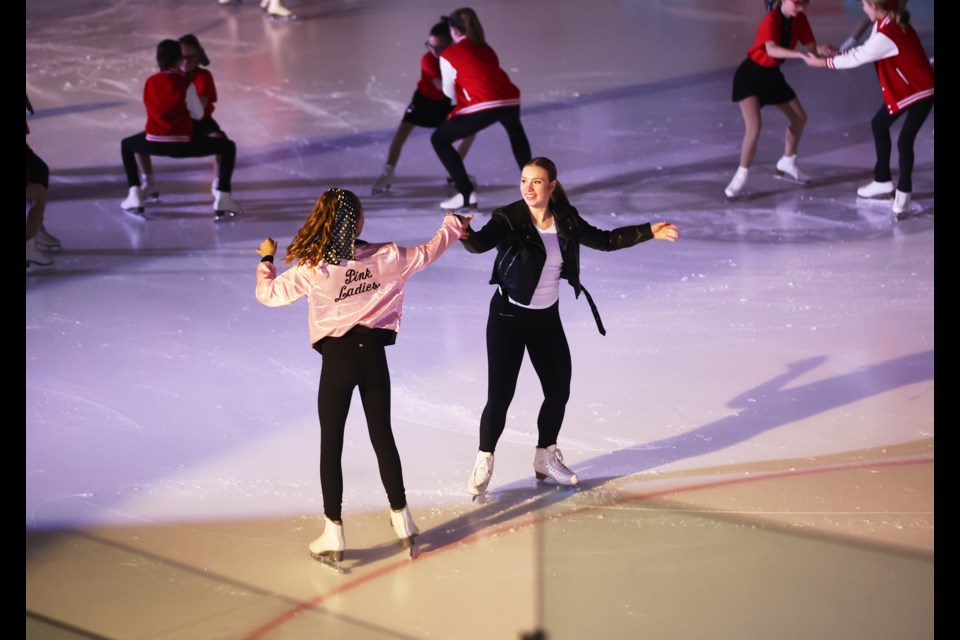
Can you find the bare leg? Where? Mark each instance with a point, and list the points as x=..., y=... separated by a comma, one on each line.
x=750, y=109
x=465, y=145
x=37, y=196
x=797, y=121
x=399, y=138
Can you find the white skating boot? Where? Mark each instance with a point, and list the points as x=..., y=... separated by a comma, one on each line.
x=148, y=187
x=879, y=190
x=383, y=183
x=548, y=463
x=37, y=256
x=328, y=548
x=277, y=11
x=406, y=529
x=134, y=201
x=901, y=203
x=45, y=241
x=225, y=206
x=736, y=185
x=787, y=166
x=457, y=202
x=482, y=472
x=215, y=186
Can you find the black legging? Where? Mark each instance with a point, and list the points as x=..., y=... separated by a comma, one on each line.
x=196, y=148
x=462, y=126
x=510, y=331
x=916, y=115
x=37, y=170
x=355, y=360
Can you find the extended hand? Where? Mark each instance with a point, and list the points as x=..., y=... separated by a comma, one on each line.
x=268, y=247
x=665, y=231
x=813, y=60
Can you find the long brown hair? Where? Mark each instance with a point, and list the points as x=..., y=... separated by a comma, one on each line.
x=559, y=197
x=467, y=23
x=898, y=13
x=316, y=233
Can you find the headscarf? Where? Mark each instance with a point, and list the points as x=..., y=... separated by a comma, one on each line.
x=344, y=232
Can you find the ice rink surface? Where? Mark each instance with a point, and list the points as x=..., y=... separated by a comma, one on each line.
x=754, y=433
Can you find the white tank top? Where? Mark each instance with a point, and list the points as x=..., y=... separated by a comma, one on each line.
x=548, y=288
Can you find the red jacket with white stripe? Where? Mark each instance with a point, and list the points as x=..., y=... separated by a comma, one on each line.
x=905, y=73
x=472, y=77
x=430, y=77
x=165, y=97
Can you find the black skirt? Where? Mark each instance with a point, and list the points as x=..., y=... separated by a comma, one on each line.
x=767, y=83
x=424, y=112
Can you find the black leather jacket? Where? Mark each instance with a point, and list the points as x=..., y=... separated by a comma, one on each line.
x=521, y=254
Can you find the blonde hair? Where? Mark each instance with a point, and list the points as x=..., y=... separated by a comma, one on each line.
x=894, y=8
x=316, y=233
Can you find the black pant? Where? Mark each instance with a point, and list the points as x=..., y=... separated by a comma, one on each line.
x=510, y=331
x=355, y=360
x=916, y=115
x=37, y=170
x=196, y=148
x=462, y=126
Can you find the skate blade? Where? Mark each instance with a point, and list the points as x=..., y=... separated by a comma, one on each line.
x=788, y=178
x=881, y=197
x=330, y=560
x=153, y=197
x=272, y=17
x=410, y=546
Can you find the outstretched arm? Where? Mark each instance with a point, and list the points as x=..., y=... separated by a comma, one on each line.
x=273, y=291
x=665, y=231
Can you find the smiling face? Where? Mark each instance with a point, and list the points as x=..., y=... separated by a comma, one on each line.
x=536, y=186
x=191, y=58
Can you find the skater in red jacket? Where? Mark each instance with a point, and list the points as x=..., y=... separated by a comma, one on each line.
x=429, y=107
x=759, y=82
x=906, y=81
x=483, y=95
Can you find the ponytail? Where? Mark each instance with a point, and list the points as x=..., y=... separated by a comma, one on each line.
x=466, y=22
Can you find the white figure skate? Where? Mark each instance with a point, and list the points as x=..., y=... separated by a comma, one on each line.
x=406, y=530
x=134, y=201
x=457, y=202
x=737, y=183
x=225, y=206
x=548, y=463
x=384, y=182
x=481, y=474
x=787, y=166
x=876, y=190
x=328, y=548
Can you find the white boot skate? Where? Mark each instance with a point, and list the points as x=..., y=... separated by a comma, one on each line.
x=457, y=202
x=328, y=548
x=736, y=185
x=134, y=201
x=276, y=11
x=548, y=463
x=878, y=190
x=383, y=183
x=482, y=472
x=37, y=256
x=901, y=203
x=406, y=529
x=225, y=206
x=787, y=166
x=215, y=186
x=148, y=187
x=45, y=241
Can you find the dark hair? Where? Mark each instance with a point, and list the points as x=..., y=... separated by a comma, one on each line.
x=441, y=29
x=466, y=22
x=191, y=41
x=168, y=54
x=559, y=197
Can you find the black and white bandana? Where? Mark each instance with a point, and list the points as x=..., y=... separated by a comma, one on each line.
x=341, y=244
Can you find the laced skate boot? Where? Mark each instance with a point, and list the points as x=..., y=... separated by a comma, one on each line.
x=37, y=256
x=225, y=206
x=878, y=190
x=406, y=529
x=482, y=472
x=458, y=202
x=328, y=548
x=276, y=11
x=736, y=185
x=787, y=166
x=383, y=183
x=548, y=463
x=45, y=241
x=134, y=201
x=901, y=203
x=148, y=187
